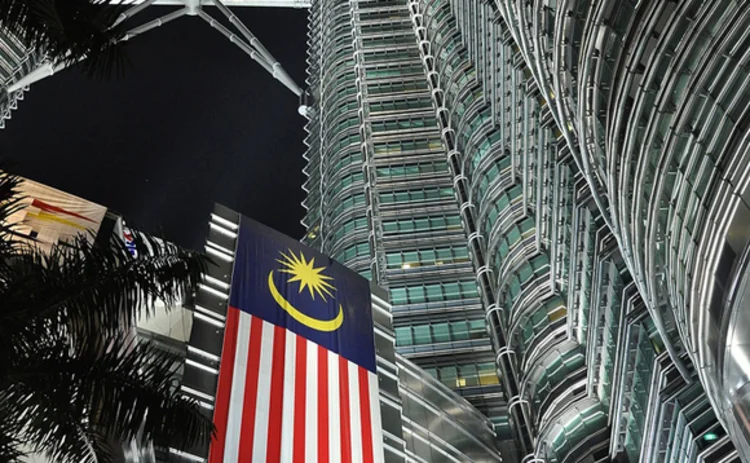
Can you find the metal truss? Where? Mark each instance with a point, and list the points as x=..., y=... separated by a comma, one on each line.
x=244, y=39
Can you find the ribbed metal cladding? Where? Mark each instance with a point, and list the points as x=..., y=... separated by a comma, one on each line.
x=378, y=265
x=563, y=141
x=500, y=131
x=502, y=147
x=381, y=198
x=16, y=60
x=507, y=371
x=652, y=96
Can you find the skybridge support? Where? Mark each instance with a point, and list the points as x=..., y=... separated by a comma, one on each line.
x=243, y=39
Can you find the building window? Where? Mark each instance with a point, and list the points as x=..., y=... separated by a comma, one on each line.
x=468, y=375
x=448, y=331
x=412, y=170
x=427, y=257
x=353, y=252
x=435, y=292
x=422, y=224
x=421, y=195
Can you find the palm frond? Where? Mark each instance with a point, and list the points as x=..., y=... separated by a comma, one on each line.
x=69, y=31
x=74, y=382
x=10, y=445
x=44, y=409
x=10, y=203
x=91, y=289
x=116, y=391
x=141, y=380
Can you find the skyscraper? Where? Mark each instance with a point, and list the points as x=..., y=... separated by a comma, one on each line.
x=16, y=60
x=569, y=174
x=555, y=190
x=381, y=197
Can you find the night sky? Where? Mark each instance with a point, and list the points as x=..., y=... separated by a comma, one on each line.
x=193, y=121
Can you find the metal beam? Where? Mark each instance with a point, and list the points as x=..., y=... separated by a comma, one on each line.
x=132, y=11
x=277, y=71
x=273, y=67
x=154, y=23
x=48, y=69
x=246, y=40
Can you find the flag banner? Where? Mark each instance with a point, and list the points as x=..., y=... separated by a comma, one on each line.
x=50, y=216
x=297, y=380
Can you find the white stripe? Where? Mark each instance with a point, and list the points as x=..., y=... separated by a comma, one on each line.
x=311, y=401
x=218, y=254
x=355, y=417
x=334, y=417
x=222, y=221
x=209, y=320
x=216, y=281
x=186, y=456
x=377, y=425
x=237, y=394
x=287, y=414
x=203, y=367
x=204, y=354
x=197, y=393
x=213, y=291
x=263, y=399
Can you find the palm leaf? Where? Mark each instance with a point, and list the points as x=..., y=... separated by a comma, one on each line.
x=10, y=203
x=74, y=382
x=45, y=414
x=91, y=289
x=116, y=391
x=69, y=31
x=9, y=443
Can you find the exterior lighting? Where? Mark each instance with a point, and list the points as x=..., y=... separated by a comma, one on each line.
x=710, y=436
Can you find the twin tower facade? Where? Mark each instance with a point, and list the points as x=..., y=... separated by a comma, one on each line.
x=554, y=194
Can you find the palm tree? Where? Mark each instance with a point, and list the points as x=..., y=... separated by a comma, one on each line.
x=69, y=32
x=73, y=378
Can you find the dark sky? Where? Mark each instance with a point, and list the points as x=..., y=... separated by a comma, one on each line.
x=194, y=121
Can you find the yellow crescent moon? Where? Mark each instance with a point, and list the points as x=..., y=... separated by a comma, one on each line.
x=310, y=322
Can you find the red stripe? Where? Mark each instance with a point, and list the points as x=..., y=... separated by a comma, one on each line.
x=50, y=208
x=275, y=411
x=251, y=391
x=224, y=388
x=346, y=446
x=364, y=411
x=323, y=450
x=300, y=404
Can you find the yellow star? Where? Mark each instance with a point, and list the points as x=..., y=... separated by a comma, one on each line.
x=307, y=274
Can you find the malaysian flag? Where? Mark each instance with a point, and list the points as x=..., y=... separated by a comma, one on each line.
x=297, y=378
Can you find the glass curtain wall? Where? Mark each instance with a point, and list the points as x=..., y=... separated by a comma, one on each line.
x=458, y=155
x=380, y=194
